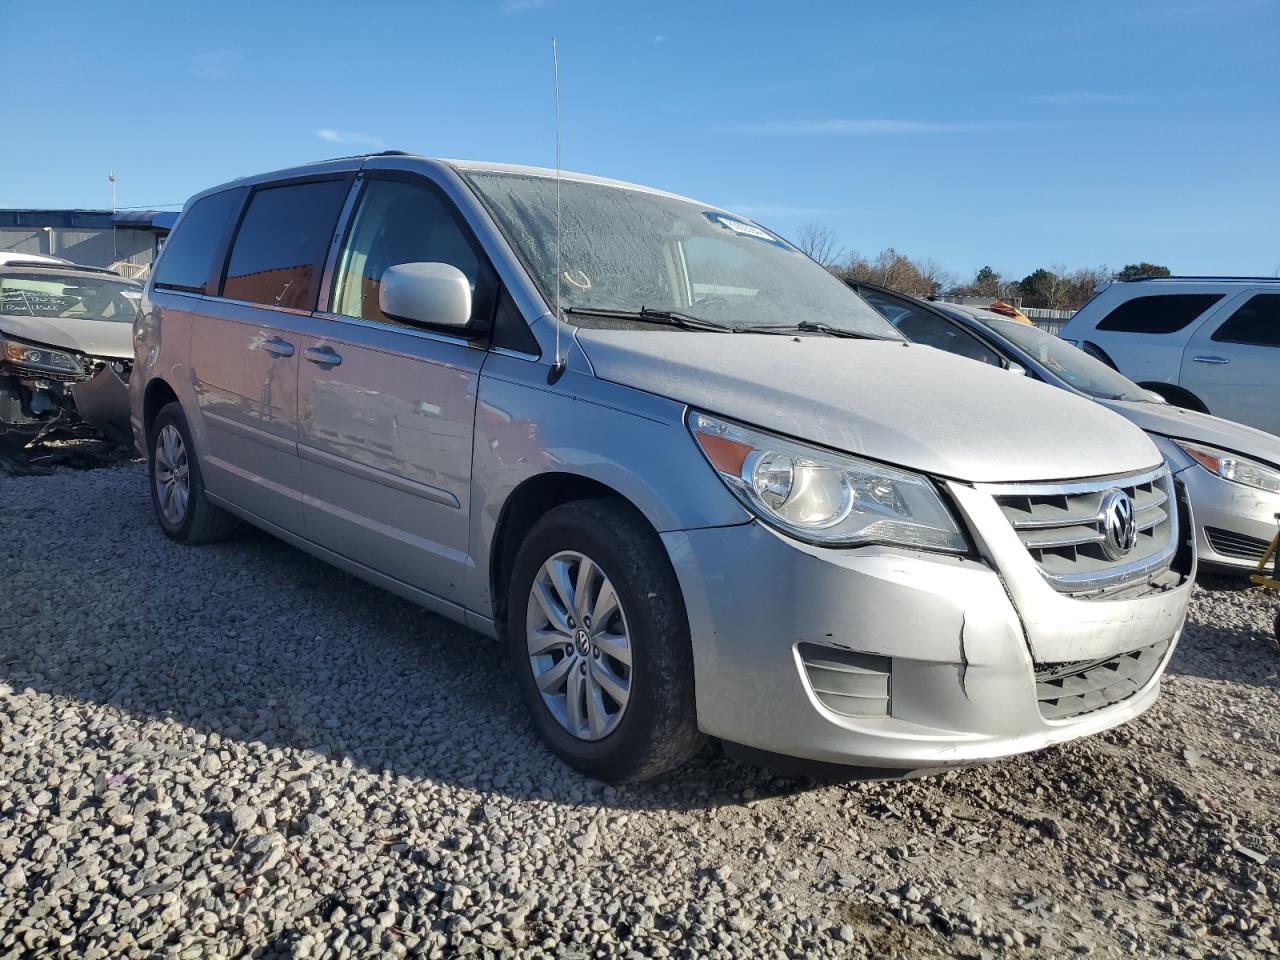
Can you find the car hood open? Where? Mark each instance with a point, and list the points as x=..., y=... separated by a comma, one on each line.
x=97, y=338
x=1181, y=424
x=903, y=404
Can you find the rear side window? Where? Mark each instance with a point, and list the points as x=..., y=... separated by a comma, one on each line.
x=1158, y=314
x=280, y=247
x=1257, y=322
x=188, y=255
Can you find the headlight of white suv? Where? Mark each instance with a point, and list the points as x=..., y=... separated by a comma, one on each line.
x=32, y=357
x=823, y=497
x=1232, y=466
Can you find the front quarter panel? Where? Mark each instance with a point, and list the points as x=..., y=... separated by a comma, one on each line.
x=632, y=442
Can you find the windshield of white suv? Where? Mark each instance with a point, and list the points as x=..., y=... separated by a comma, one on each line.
x=1087, y=374
x=661, y=259
x=51, y=295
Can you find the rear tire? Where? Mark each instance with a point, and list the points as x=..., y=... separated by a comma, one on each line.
x=611, y=719
x=177, y=489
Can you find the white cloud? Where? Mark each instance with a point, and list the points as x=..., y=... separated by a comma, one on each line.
x=659, y=38
x=348, y=137
x=857, y=128
x=213, y=64
x=1073, y=97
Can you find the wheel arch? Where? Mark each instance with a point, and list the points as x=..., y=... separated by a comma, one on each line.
x=1178, y=396
x=157, y=395
x=526, y=504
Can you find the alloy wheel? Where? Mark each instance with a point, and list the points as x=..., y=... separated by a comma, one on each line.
x=172, y=474
x=579, y=645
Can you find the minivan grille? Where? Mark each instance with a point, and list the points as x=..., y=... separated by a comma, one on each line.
x=1070, y=689
x=1064, y=528
x=1237, y=545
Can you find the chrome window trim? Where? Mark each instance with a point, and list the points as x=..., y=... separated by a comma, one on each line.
x=416, y=332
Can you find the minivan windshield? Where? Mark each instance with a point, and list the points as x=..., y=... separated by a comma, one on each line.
x=626, y=250
x=49, y=294
x=1087, y=374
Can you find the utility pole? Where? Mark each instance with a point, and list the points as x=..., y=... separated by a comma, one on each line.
x=115, y=249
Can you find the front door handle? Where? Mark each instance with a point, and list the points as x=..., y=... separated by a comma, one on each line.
x=323, y=356
x=277, y=347
x=1210, y=359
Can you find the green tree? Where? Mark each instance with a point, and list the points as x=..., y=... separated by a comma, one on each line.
x=1134, y=271
x=1040, y=287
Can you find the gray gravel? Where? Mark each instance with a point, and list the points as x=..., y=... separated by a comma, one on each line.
x=236, y=750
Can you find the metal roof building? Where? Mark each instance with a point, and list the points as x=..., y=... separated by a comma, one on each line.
x=126, y=240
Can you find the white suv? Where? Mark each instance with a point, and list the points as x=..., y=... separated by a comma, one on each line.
x=1207, y=343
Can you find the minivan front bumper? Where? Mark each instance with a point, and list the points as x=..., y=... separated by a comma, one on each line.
x=940, y=636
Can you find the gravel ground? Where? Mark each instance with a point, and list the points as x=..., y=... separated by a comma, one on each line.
x=236, y=750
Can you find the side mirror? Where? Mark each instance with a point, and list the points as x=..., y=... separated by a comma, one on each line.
x=431, y=294
x=1017, y=368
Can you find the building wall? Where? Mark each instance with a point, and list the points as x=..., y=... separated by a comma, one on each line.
x=98, y=248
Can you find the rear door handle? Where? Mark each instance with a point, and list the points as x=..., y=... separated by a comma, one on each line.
x=1210, y=359
x=277, y=347
x=324, y=356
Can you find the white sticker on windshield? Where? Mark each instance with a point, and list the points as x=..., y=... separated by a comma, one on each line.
x=743, y=228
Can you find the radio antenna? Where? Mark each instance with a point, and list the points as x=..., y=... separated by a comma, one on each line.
x=557, y=368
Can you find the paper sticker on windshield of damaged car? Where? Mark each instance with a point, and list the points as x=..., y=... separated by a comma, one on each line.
x=744, y=229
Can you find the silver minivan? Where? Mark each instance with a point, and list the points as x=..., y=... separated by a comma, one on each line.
x=699, y=487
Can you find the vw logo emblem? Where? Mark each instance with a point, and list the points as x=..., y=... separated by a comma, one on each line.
x=1119, y=524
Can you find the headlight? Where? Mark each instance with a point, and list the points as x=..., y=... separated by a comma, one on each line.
x=822, y=497
x=1232, y=466
x=38, y=358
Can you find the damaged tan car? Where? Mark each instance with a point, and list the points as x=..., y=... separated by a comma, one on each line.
x=66, y=350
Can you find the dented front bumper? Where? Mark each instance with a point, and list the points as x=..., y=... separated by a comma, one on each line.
x=887, y=657
x=34, y=404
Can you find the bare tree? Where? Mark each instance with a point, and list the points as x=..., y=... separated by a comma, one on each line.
x=819, y=242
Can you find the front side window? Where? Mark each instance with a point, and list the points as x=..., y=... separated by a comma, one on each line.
x=280, y=247
x=627, y=249
x=188, y=254
x=1158, y=314
x=921, y=326
x=68, y=296
x=400, y=222
x=1257, y=322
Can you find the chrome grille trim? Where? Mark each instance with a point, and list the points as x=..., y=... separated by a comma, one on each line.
x=1062, y=527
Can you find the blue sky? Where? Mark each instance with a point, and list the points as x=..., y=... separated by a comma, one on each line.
x=1011, y=133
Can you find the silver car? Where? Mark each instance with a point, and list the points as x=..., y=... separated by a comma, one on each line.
x=1231, y=471
x=698, y=488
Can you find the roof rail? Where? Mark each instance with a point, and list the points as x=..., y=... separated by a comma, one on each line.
x=1193, y=277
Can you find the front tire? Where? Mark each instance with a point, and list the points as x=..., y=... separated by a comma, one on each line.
x=599, y=642
x=177, y=488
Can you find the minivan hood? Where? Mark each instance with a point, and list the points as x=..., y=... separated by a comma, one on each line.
x=900, y=403
x=97, y=338
x=1180, y=424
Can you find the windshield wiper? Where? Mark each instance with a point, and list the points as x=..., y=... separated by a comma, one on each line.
x=811, y=326
x=666, y=318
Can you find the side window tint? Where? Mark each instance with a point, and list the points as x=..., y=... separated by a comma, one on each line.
x=187, y=259
x=1158, y=314
x=921, y=326
x=280, y=248
x=399, y=222
x=1256, y=322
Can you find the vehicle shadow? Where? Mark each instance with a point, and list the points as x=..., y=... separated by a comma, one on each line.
x=254, y=641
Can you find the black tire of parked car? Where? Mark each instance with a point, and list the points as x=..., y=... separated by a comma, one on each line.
x=202, y=522
x=659, y=730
